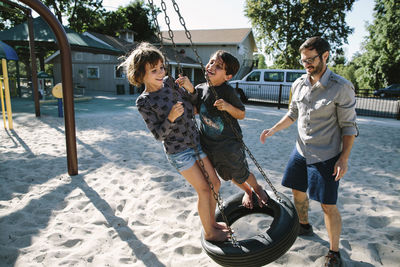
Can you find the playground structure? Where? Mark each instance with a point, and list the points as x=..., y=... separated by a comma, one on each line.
x=5, y=96
x=66, y=73
x=6, y=53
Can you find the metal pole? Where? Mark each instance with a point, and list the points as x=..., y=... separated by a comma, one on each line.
x=280, y=96
x=66, y=72
x=33, y=63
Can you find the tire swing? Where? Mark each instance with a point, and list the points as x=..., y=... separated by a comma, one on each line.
x=265, y=247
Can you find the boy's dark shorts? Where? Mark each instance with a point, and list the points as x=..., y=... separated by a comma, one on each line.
x=317, y=178
x=228, y=159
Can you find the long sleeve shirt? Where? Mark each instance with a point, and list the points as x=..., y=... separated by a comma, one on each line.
x=325, y=112
x=154, y=107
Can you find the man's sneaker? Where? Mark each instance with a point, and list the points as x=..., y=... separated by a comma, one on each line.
x=306, y=231
x=332, y=260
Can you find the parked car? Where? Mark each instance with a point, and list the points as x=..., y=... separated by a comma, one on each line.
x=264, y=84
x=390, y=91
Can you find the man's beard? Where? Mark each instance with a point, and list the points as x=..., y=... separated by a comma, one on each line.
x=317, y=69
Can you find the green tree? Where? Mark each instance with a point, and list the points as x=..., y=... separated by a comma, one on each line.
x=85, y=14
x=346, y=71
x=10, y=16
x=78, y=13
x=134, y=16
x=379, y=65
x=282, y=26
x=260, y=58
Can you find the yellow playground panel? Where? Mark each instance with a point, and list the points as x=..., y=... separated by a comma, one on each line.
x=4, y=83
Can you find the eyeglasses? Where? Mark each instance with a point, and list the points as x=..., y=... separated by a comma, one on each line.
x=308, y=60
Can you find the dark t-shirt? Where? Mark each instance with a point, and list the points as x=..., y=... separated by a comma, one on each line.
x=214, y=125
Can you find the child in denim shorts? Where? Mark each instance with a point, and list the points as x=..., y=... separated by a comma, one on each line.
x=168, y=113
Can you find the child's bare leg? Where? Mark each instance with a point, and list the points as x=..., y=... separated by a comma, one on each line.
x=195, y=177
x=262, y=196
x=247, y=197
x=217, y=184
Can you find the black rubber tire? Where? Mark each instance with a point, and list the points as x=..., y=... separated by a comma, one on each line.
x=264, y=248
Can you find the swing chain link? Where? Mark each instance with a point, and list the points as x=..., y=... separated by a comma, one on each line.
x=171, y=35
x=188, y=34
x=217, y=198
x=159, y=34
x=189, y=37
x=216, y=195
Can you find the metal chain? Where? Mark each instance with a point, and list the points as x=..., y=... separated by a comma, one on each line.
x=159, y=34
x=171, y=34
x=238, y=136
x=188, y=35
x=216, y=196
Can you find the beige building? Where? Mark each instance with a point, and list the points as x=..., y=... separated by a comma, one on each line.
x=99, y=71
x=239, y=42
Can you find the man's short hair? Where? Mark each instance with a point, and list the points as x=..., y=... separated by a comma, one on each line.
x=317, y=43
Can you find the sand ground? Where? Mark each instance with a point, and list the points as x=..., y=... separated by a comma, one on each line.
x=129, y=207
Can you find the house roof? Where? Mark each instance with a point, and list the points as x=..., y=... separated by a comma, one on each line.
x=211, y=37
x=19, y=35
x=115, y=42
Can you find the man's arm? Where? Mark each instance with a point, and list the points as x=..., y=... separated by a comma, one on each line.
x=284, y=123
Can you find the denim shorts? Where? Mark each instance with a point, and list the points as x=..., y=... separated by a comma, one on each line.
x=317, y=178
x=185, y=159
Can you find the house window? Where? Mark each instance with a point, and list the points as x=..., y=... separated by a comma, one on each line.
x=106, y=57
x=129, y=37
x=93, y=72
x=78, y=56
x=118, y=72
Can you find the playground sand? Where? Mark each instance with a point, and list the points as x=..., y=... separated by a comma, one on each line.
x=129, y=207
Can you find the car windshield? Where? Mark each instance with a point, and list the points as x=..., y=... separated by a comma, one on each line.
x=254, y=77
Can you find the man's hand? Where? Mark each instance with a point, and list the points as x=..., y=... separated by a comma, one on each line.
x=340, y=169
x=266, y=133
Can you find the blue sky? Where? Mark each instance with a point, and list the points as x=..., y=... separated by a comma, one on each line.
x=214, y=14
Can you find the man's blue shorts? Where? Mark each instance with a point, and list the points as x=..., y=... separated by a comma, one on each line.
x=317, y=178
